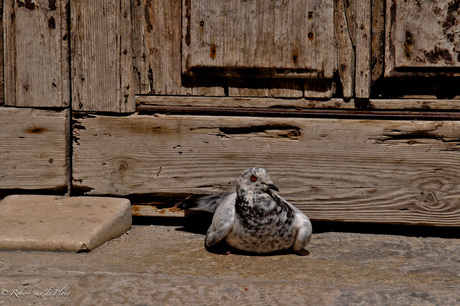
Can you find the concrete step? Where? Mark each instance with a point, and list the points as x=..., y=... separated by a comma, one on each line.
x=41, y=222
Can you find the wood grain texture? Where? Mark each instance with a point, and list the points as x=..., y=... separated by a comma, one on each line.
x=255, y=87
x=244, y=102
x=343, y=170
x=334, y=103
x=345, y=50
x=269, y=35
x=33, y=149
x=318, y=89
x=36, y=53
x=102, y=72
x=157, y=52
x=378, y=39
x=363, y=49
x=2, y=88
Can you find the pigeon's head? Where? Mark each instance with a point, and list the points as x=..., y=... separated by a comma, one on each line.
x=255, y=179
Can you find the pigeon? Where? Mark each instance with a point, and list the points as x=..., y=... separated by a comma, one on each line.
x=255, y=218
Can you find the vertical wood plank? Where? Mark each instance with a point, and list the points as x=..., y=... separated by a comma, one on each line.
x=345, y=50
x=102, y=74
x=378, y=39
x=8, y=57
x=2, y=100
x=36, y=53
x=363, y=49
x=157, y=52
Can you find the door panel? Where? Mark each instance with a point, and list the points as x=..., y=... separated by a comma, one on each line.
x=269, y=38
x=423, y=38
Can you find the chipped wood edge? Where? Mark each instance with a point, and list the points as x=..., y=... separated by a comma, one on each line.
x=140, y=210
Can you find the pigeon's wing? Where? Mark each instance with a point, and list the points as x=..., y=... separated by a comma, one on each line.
x=304, y=231
x=222, y=221
x=302, y=225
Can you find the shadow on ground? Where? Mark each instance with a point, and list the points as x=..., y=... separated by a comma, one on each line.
x=200, y=224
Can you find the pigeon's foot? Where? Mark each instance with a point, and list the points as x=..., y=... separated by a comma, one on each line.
x=303, y=252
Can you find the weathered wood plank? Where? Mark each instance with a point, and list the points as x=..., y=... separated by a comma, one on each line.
x=378, y=39
x=415, y=104
x=102, y=72
x=318, y=89
x=268, y=35
x=291, y=88
x=245, y=102
x=157, y=52
x=36, y=53
x=34, y=149
x=345, y=50
x=2, y=89
x=347, y=170
x=363, y=49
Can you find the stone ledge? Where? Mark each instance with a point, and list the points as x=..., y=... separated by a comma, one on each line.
x=39, y=222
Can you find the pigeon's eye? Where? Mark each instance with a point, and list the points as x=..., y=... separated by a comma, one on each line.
x=253, y=178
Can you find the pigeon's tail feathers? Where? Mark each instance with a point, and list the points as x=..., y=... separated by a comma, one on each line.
x=206, y=203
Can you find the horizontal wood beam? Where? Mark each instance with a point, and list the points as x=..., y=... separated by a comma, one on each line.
x=356, y=170
x=422, y=105
x=34, y=148
x=305, y=113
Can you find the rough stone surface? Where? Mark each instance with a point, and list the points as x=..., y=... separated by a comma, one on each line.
x=167, y=265
x=39, y=222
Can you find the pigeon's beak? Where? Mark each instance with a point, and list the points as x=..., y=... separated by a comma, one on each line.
x=272, y=186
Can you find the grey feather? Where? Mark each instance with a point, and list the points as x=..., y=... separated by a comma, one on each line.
x=255, y=218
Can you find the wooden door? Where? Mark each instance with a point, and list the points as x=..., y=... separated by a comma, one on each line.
x=422, y=50
x=334, y=98
x=236, y=48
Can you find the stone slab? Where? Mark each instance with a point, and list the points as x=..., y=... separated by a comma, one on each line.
x=41, y=222
x=168, y=265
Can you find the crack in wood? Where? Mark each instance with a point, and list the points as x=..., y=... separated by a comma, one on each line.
x=284, y=132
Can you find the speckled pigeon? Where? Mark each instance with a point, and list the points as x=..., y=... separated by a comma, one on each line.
x=255, y=219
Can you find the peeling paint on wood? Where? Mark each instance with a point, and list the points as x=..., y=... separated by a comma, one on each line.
x=422, y=35
x=391, y=171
